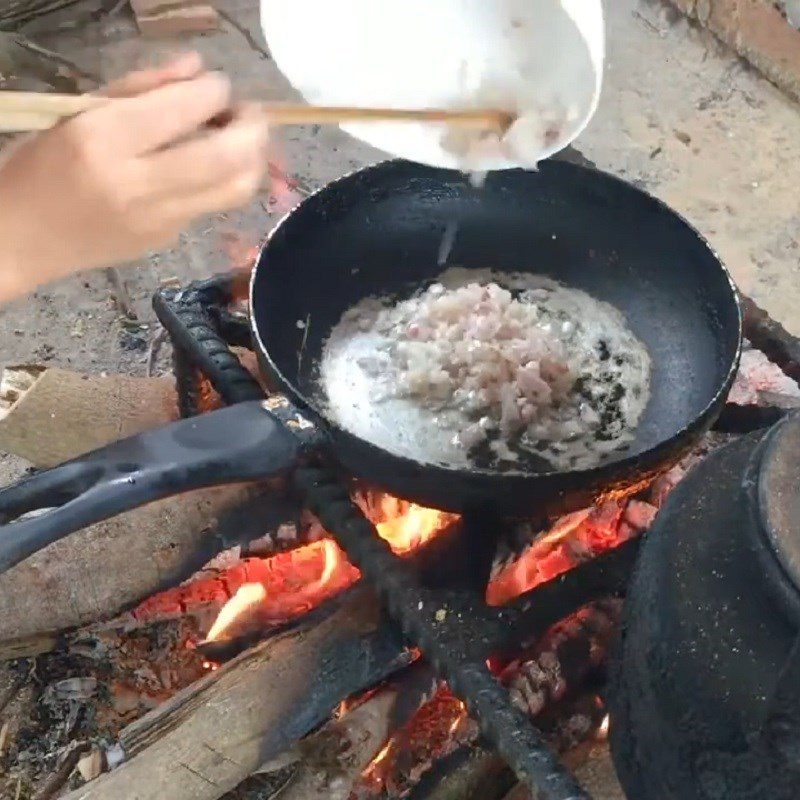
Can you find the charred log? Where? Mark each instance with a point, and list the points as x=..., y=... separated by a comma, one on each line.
x=98, y=572
x=208, y=738
x=331, y=760
x=564, y=658
x=771, y=338
x=470, y=773
x=543, y=606
x=438, y=754
x=474, y=772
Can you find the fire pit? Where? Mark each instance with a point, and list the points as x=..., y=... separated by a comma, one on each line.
x=550, y=581
x=515, y=618
x=448, y=620
x=286, y=608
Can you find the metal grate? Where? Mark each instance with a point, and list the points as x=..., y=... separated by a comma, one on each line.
x=451, y=623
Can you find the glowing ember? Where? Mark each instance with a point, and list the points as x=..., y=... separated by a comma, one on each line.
x=573, y=539
x=290, y=584
x=287, y=585
x=282, y=587
x=352, y=703
x=433, y=732
x=248, y=595
x=435, y=729
x=266, y=591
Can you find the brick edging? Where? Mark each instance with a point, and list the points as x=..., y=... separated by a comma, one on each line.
x=757, y=31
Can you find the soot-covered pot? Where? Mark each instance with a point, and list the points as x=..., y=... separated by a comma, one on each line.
x=705, y=698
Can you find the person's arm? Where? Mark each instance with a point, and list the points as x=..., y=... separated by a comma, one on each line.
x=117, y=181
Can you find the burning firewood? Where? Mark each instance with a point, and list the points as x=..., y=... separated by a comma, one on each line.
x=332, y=759
x=564, y=658
x=253, y=595
x=208, y=738
x=474, y=773
x=100, y=571
x=470, y=773
x=437, y=755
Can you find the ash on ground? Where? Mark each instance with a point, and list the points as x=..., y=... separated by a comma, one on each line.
x=84, y=693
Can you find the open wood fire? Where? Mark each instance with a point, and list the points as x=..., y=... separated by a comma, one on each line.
x=264, y=592
x=112, y=673
x=196, y=691
x=248, y=598
x=543, y=683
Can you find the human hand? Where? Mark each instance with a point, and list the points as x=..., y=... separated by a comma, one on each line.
x=128, y=177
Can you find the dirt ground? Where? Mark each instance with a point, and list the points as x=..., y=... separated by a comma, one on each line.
x=680, y=116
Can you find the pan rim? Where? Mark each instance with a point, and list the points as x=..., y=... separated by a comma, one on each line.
x=630, y=463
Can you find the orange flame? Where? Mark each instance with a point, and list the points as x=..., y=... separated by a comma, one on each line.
x=292, y=583
x=572, y=539
x=382, y=755
x=246, y=597
x=333, y=558
x=284, y=586
x=289, y=584
x=460, y=712
x=404, y=526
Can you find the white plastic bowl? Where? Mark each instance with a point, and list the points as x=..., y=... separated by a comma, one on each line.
x=540, y=59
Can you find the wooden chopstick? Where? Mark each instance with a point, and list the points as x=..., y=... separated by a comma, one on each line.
x=478, y=119
x=18, y=121
x=36, y=111
x=29, y=111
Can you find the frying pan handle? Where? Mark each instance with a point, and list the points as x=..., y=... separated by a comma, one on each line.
x=240, y=443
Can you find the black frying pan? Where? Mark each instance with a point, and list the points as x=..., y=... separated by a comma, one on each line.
x=378, y=231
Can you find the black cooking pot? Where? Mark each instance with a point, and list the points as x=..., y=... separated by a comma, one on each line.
x=705, y=699
x=378, y=232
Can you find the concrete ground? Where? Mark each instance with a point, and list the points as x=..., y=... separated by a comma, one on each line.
x=679, y=115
